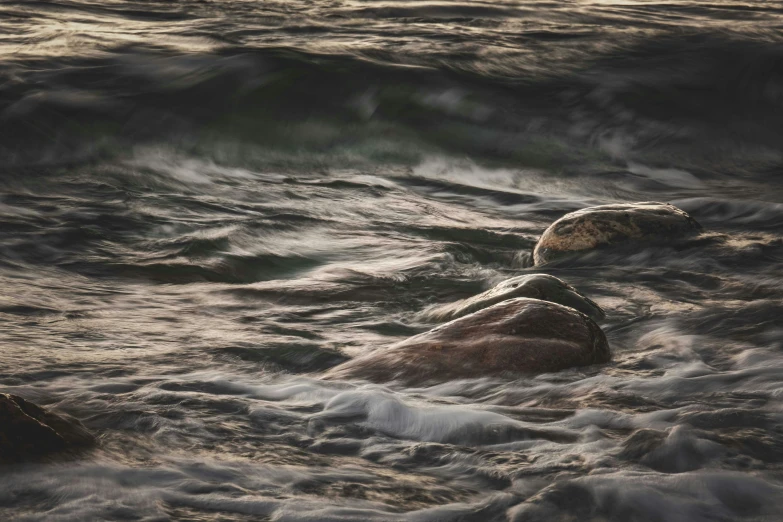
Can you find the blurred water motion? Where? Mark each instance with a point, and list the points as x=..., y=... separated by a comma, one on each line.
x=205, y=205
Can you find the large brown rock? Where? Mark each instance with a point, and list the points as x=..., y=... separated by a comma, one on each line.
x=29, y=432
x=514, y=337
x=608, y=225
x=535, y=286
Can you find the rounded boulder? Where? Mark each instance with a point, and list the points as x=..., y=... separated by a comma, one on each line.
x=515, y=337
x=607, y=225
x=536, y=286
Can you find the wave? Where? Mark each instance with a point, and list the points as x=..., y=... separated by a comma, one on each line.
x=714, y=106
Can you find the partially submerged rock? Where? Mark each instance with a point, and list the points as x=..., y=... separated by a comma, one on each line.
x=608, y=225
x=29, y=432
x=514, y=337
x=536, y=286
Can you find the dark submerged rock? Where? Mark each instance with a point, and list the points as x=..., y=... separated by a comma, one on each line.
x=608, y=225
x=535, y=286
x=517, y=336
x=29, y=432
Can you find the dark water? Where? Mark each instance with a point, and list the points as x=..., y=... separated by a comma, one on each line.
x=206, y=204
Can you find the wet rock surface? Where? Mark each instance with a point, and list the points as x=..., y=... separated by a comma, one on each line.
x=608, y=225
x=536, y=286
x=29, y=432
x=517, y=336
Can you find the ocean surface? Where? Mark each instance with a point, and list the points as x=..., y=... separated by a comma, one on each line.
x=206, y=204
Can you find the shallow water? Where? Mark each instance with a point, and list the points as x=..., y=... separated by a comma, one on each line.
x=206, y=205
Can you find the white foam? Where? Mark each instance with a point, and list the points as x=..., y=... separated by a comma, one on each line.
x=388, y=413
